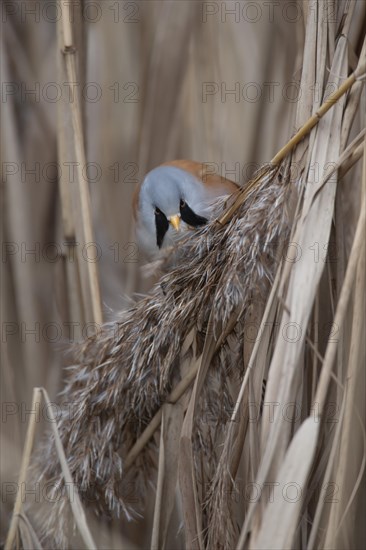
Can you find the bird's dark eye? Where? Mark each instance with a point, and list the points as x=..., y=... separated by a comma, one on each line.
x=190, y=217
x=162, y=226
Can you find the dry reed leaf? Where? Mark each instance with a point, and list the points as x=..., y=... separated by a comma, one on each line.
x=353, y=102
x=304, y=278
x=223, y=485
x=329, y=470
x=346, y=290
x=314, y=228
x=309, y=443
x=280, y=517
x=323, y=24
x=346, y=477
x=272, y=450
x=347, y=159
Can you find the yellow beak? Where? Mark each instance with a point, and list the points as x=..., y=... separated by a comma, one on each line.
x=175, y=221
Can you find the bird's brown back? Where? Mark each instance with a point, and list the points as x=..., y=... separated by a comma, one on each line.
x=202, y=171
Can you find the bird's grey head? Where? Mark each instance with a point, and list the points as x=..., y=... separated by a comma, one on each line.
x=165, y=186
x=167, y=194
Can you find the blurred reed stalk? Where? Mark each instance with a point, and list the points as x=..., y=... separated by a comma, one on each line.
x=75, y=198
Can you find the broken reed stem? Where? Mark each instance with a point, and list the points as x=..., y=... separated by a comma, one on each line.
x=295, y=140
x=73, y=496
x=36, y=400
x=69, y=53
x=72, y=493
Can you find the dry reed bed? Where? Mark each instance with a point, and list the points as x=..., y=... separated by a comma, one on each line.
x=193, y=328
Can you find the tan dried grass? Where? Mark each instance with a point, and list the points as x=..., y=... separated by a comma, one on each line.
x=135, y=373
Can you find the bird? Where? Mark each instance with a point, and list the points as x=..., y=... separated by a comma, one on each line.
x=173, y=198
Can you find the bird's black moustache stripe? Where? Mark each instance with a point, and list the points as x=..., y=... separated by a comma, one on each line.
x=189, y=217
x=162, y=226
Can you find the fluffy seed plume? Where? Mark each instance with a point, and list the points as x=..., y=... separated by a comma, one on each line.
x=123, y=374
